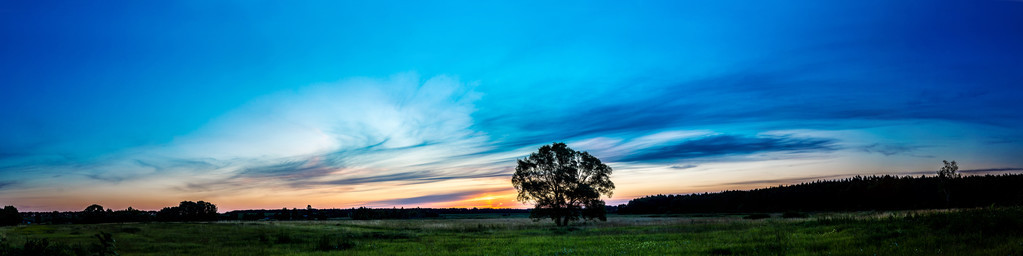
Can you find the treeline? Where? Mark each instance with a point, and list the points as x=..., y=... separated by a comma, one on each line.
x=851, y=194
x=364, y=213
x=205, y=211
x=189, y=211
x=185, y=211
x=361, y=213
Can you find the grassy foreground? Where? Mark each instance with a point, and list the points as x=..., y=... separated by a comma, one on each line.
x=989, y=231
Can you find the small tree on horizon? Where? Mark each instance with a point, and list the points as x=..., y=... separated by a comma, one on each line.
x=94, y=214
x=9, y=216
x=563, y=184
x=946, y=174
x=949, y=170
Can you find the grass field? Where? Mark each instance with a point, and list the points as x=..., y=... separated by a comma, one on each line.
x=990, y=231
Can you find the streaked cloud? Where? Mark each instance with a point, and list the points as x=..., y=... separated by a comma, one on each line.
x=890, y=150
x=5, y=184
x=684, y=166
x=729, y=145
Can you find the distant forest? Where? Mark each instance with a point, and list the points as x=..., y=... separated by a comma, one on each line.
x=851, y=194
x=361, y=213
x=185, y=211
x=205, y=211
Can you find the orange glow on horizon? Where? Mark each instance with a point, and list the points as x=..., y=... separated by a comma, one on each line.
x=488, y=200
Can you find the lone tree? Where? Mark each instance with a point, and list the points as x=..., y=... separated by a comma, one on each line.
x=9, y=216
x=947, y=174
x=949, y=170
x=94, y=214
x=564, y=184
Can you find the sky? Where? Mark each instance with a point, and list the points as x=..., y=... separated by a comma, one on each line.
x=338, y=104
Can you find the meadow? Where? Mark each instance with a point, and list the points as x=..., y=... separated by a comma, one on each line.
x=982, y=231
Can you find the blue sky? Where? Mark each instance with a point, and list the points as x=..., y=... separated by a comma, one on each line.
x=254, y=104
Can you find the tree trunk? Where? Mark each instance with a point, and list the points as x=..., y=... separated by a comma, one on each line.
x=947, y=197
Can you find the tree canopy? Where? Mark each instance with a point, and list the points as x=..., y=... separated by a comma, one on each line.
x=9, y=216
x=949, y=170
x=189, y=211
x=563, y=184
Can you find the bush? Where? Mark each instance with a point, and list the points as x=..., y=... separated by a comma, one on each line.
x=265, y=238
x=329, y=243
x=45, y=247
x=5, y=248
x=36, y=247
x=283, y=238
x=106, y=245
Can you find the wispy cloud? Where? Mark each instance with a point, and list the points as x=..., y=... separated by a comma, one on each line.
x=351, y=115
x=6, y=184
x=289, y=171
x=357, y=131
x=417, y=177
x=683, y=166
x=728, y=145
x=892, y=149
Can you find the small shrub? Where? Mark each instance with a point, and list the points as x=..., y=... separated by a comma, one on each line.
x=45, y=247
x=325, y=244
x=283, y=238
x=280, y=237
x=345, y=244
x=36, y=247
x=329, y=243
x=265, y=238
x=107, y=245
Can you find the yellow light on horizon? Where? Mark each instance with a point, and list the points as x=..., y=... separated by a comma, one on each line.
x=487, y=200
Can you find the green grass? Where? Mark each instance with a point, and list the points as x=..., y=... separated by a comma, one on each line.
x=970, y=232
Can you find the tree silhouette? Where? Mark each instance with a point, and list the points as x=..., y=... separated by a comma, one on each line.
x=95, y=208
x=949, y=170
x=94, y=214
x=9, y=216
x=564, y=184
x=946, y=174
x=189, y=211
